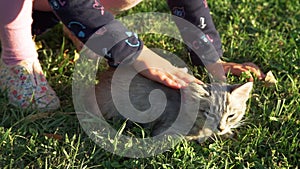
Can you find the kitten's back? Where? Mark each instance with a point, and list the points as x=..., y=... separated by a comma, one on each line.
x=184, y=111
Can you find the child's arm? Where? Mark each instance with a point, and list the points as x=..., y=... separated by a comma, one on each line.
x=194, y=22
x=100, y=32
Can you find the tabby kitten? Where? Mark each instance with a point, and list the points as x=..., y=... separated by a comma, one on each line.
x=197, y=111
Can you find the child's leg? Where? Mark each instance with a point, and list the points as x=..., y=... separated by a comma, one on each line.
x=15, y=31
x=21, y=75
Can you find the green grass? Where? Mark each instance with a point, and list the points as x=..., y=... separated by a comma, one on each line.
x=264, y=32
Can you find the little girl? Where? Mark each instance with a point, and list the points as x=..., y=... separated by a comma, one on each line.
x=20, y=71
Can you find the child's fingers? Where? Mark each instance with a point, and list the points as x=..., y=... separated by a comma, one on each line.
x=183, y=75
x=170, y=82
x=161, y=77
x=175, y=78
x=237, y=69
x=254, y=69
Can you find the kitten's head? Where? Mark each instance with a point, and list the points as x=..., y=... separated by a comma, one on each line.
x=221, y=108
x=235, y=107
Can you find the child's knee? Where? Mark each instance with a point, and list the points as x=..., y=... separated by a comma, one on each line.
x=117, y=6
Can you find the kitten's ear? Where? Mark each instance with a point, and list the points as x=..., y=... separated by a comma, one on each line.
x=242, y=92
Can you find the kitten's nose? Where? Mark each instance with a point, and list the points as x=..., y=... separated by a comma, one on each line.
x=220, y=127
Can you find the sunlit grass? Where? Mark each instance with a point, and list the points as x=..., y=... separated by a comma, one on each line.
x=264, y=32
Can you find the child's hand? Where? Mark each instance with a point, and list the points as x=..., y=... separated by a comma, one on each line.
x=237, y=69
x=175, y=78
x=156, y=68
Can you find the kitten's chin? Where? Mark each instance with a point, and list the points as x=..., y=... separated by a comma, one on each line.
x=226, y=131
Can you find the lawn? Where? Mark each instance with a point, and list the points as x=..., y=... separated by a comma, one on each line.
x=264, y=32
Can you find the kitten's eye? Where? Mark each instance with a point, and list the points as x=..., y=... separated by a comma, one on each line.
x=230, y=116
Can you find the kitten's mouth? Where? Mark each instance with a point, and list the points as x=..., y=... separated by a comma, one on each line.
x=224, y=131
